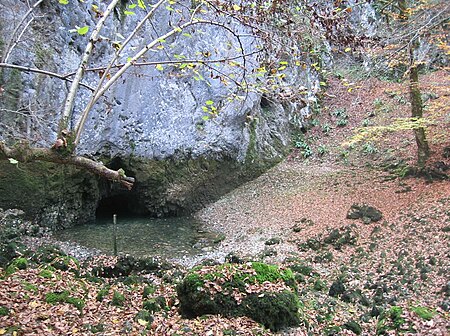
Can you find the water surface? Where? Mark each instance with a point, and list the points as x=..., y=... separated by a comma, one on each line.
x=143, y=237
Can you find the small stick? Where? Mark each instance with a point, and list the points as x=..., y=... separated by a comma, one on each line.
x=115, y=234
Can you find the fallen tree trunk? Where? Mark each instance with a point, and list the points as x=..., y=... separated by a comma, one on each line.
x=22, y=152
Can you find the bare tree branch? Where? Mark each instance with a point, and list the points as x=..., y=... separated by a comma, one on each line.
x=175, y=62
x=43, y=72
x=70, y=100
x=124, y=44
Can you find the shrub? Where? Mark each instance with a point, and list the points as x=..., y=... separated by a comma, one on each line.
x=326, y=128
x=46, y=273
x=154, y=305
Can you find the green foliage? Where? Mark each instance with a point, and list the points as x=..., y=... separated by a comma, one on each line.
x=95, y=328
x=380, y=106
x=326, y=128
x=102, y=293
x=154, y=305
x=369, y=148
x=319, y=285
x=64, y=297
x=300, y=143
x=118, y=299
x=30, y=287
x=424, y=312
x=83, y=30
x=210, y=109
x=390, y=320
x=353, y=326
x=341, y=115
x=46, y=273
x=4, y=311
x=144, y=315
x=372, y=133
x=366, y=122
x=148, y=290
x=322, y=150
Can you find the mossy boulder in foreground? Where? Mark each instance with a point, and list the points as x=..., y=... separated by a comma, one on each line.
x=260, y=291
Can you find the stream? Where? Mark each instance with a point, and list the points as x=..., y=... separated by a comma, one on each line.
x=169, y=238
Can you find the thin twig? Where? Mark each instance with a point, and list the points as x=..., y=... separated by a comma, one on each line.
x=43, y=72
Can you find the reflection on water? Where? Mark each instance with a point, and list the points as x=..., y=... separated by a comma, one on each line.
x=142, y=237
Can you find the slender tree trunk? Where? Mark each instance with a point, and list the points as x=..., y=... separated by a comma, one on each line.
x=423, y=150
x=415, y=97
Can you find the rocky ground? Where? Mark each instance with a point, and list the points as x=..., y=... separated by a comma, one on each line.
x=384, y=272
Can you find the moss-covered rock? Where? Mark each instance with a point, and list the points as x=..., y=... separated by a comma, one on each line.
x=128, y=265
x=265, y=293
x=57, y=196
x=47, y=254
x=10, y=250
x=366, y=212
x=17, y=264
x=341, y=237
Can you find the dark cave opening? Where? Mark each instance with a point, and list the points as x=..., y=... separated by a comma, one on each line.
x=265, y=102
x=117, y=204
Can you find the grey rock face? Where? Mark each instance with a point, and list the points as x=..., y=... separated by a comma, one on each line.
x=149, y=113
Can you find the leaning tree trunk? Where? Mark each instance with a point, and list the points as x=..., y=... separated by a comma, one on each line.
x=423, y=150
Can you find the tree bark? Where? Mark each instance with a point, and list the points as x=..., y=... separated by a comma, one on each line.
x=415, y=97
x=24, y=153
x=423, y=150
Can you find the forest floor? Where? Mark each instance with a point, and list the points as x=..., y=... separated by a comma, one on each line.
x=394, y=271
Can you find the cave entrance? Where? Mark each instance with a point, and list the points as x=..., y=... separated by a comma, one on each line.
x=116, y=204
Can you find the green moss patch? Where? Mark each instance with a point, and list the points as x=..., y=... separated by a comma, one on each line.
x=64, y=297
x=17, y=264
x=118, y=299
x=4, y=311
x=424, y=312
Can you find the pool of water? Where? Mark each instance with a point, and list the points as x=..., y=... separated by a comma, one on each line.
x=144, y=237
